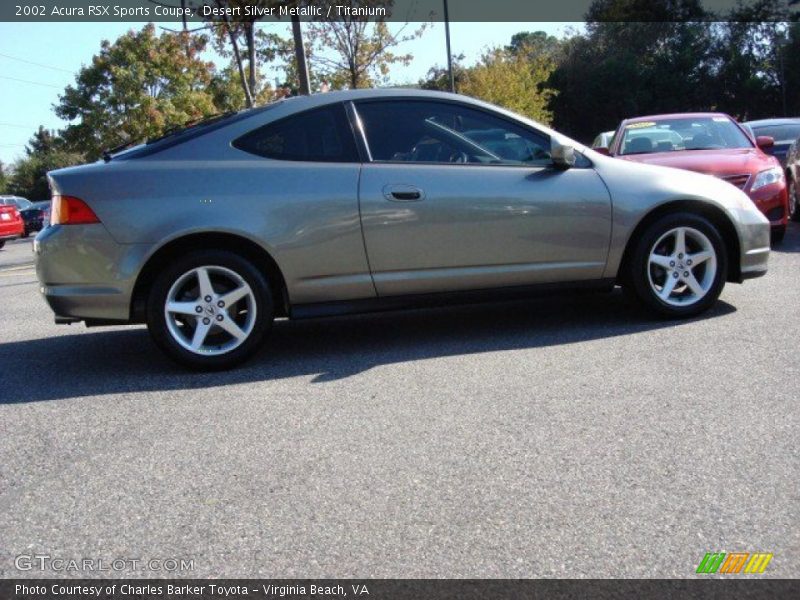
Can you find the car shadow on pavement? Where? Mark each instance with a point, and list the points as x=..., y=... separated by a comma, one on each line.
x=119, y=361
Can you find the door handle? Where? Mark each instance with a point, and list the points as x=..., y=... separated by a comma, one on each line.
x=403, y=193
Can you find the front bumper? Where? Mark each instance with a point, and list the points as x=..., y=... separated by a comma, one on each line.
x=772, y=201
x=84, y=274
x=754, y=242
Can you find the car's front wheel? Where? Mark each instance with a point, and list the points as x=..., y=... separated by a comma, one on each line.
x=678, y=265
x=210, y=309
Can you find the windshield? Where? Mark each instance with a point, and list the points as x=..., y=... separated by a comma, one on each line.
x=671, y=135
x=782, y=134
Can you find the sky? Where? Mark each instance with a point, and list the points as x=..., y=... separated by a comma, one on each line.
x=38, y=60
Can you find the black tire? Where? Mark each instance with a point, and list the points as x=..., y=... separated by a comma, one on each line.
x=794, y=201
x=777, y=234
x=2, y=243
x=215, y=259
x=638, y=277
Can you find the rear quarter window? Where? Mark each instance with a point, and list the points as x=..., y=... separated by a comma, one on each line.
x=317, y=135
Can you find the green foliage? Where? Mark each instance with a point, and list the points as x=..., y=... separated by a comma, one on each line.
x=43, y=141
x=30, y=173
x=439, y=79
x=745, y=63
x=45, y=152
x=3, y=179
x=135, y=88
x=535, y=43
x=514, y=80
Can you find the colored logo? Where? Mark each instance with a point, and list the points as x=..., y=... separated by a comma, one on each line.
x=734, y=562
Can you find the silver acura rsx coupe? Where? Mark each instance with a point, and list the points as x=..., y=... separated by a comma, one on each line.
x=366, y=200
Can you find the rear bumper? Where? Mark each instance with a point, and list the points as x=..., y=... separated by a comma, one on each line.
x=11, y=230
x=84, y=274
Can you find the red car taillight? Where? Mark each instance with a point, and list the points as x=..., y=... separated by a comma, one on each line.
x=68, y=210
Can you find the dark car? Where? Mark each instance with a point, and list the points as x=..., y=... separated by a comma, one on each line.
x=793, y=179
x=32, y=215
x=43, y=206
x=783, y=131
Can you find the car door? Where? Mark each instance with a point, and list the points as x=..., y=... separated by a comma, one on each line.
x=455, y=197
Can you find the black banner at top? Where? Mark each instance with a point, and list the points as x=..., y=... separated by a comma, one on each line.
x=176, y=11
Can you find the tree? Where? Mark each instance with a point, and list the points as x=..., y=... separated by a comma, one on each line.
x=135, y=88
x=43, y=141
x=356, y=53
x=239, y=40
x=535, y=43
x=438, y=77
x=3, y=179
x=654, y=56
x=516, y=81
x=633, y=60
x=45, y=152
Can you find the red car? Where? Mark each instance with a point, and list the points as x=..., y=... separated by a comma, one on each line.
x=11, y=224
x=714, y=144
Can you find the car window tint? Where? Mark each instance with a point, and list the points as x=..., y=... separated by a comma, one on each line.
x=319, y=135
x=443, y=132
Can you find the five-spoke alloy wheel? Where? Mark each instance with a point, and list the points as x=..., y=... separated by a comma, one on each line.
x=210, y=309
x=678, y=267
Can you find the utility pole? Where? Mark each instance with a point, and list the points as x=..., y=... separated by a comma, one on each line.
x=449, y=52
x=300, y=55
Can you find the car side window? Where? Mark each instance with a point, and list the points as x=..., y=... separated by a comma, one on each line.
x=317, y=135
x=445, y=132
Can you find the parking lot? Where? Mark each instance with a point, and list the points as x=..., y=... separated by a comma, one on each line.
x=557, y=437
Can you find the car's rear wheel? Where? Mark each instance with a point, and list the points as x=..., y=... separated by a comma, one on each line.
x=210, y=310
x=678, y=266
x=794, y=201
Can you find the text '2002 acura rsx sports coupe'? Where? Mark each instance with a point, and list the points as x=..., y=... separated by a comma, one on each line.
x=362, y=200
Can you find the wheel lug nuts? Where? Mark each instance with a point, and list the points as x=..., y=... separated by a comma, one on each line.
x=680, y=255
x=219, y=317
x=206, y=321
x=208, y=298
x=672, y=263
x=689, y=262
x=686, y=273
x=675, y=274
x=221, y=304
x=198, y=309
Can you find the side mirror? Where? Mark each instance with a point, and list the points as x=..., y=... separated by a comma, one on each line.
x=602, y=150
x=563, y=156
x=765, y=142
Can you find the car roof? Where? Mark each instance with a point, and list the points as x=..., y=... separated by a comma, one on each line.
x=687, y=115
x=298, y=104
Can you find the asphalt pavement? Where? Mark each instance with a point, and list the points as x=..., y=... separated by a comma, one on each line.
x=568, y=436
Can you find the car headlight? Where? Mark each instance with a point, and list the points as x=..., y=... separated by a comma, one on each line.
x=768, y=177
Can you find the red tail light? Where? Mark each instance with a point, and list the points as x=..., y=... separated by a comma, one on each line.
x=68, y=210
